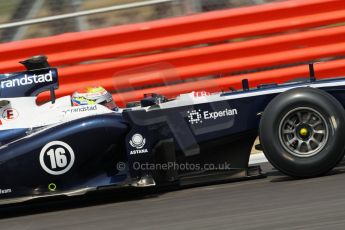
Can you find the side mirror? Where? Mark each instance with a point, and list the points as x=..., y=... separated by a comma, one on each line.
x=36, y=62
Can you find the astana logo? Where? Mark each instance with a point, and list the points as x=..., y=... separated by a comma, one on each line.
x=137, y=141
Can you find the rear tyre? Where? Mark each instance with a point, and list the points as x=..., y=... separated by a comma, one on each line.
x=302, y=132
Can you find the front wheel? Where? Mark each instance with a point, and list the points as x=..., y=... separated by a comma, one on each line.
x=302, y=132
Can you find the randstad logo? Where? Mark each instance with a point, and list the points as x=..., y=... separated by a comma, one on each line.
x=27, y=80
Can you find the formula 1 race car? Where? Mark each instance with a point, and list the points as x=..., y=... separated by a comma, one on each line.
x=57, y=149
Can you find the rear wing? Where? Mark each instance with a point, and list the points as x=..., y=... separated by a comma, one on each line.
x=38, y=78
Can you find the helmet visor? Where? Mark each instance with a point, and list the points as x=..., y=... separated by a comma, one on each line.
x=110, y=105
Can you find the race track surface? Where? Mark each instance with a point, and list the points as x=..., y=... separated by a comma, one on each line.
x=275, y=202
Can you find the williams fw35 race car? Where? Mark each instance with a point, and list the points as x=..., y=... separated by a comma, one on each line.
x=59, y=149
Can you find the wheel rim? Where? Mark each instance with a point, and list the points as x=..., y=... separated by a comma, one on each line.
x=303, y=132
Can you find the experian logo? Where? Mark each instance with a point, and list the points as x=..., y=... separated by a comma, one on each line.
x=198, y=116
x=27, y=80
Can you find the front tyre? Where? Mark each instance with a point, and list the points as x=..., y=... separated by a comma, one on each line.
x=302, y=132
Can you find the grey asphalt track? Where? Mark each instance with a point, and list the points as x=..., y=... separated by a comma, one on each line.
x=275, y=202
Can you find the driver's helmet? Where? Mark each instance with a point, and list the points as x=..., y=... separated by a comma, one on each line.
x=93, y=95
